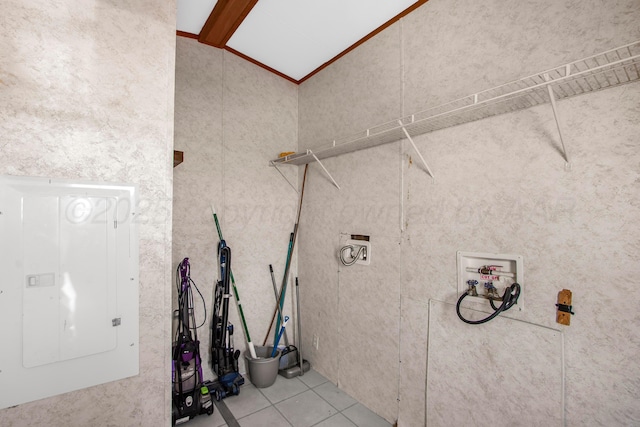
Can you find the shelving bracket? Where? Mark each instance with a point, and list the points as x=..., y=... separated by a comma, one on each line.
x=323, y=168
x=416, y=149
x=554, y=107
x=272, y=163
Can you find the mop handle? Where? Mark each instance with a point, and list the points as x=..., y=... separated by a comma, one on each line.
x=280, y=303
x=275, y=294
x=275, y=347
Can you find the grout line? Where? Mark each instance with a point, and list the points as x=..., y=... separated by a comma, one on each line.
x=324, y=419
x=234, y=422
x=256, y=411
x=284, y=417
x=327, y=402
x=286, y=398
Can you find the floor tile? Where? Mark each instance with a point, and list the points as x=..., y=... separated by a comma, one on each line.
x=249, y=400
x=336, y=397
x=306, y=409
x=338, y=420
x=307, y=401
x=283, y=389
x=268, y=417
x=363, y=417
x=312, y=378
x=204, y=420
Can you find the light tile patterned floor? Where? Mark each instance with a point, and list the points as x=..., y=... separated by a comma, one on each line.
x=307, y=401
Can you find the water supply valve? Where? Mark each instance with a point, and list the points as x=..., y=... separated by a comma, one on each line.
x=492, y=292
x=472, y=288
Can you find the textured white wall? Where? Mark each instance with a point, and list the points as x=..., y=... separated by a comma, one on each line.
x=581, y=224
x=87, y=93
x=232, y=117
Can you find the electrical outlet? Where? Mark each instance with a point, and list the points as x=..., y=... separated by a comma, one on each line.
x=315, y=341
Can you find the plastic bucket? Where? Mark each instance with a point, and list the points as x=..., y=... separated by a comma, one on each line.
x=264, y=371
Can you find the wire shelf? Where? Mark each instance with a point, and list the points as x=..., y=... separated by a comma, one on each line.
x=604, y=70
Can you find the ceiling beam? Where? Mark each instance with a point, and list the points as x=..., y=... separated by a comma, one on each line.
x=225, y=18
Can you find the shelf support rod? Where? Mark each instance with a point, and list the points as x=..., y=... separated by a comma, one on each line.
x=285, y=178
x=554, y=107
x=323, y=168
x=416, y=150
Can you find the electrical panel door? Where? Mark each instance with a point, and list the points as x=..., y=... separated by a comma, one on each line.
x=69, y=295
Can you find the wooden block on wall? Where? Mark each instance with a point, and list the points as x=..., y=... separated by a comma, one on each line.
x=564, y=298
x=178, y=157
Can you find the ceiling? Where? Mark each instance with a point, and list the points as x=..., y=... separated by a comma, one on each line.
x=292, y=38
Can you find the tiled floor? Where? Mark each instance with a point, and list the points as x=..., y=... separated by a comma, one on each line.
x=304, y=401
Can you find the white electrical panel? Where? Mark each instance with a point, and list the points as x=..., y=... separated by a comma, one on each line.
x=69, y=256
x=489, y=273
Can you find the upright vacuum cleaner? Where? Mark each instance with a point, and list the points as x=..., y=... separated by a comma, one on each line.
x=224, y=359
x=190, y=395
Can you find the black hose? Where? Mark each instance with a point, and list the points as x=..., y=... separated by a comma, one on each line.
x=510, y=297
x=508, y=305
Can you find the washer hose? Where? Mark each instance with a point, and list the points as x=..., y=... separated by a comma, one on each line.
x=510, y=297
